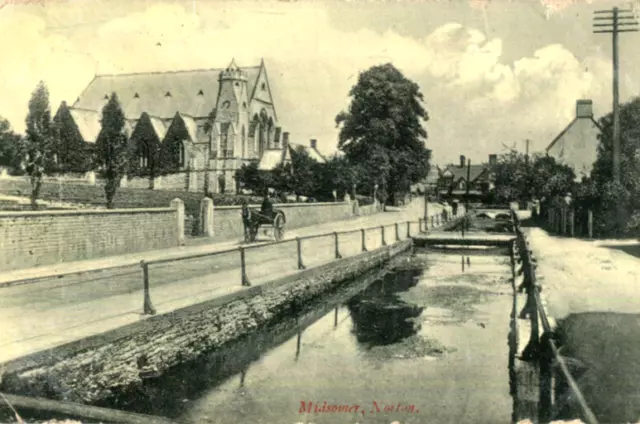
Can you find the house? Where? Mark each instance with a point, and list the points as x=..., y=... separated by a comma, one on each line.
x=577, y=144
x=206, y=123
x=461, y=179
x=271, y=158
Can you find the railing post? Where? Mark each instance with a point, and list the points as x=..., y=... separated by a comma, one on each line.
x=408, y=229
x=337, y=243
x=364, y=243
x=384, y=242
x=147, y=307
x=590, y=222
x=299, y=244
x=243, y=266
x=438, y=220
x=545, y=404
x=431, y=221
x=420, y=225
x=397, y=232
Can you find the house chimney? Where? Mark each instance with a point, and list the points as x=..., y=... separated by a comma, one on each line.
x=584, y=109
x=462, y=160
x=285, y=140
x=314, y=143
x=493, y=159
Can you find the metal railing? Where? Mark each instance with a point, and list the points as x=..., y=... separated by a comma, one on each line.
x=389, y=234
x=543, y=345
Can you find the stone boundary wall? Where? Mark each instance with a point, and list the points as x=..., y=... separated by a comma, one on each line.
x=227, y=221
x=92, y=370
x=36, y=238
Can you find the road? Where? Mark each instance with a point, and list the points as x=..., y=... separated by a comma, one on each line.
x=591, y=289
x=54, y=311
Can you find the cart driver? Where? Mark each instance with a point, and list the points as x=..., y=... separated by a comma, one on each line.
x=267, y=208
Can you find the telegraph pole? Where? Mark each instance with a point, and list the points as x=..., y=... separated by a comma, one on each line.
x=466, y=203
x=613, y=22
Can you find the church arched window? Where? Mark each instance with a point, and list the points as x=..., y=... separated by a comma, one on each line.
x=144, y=155
x=244, y=139
x=181, y=154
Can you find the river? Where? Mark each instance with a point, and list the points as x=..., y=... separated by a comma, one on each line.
x=420, y=341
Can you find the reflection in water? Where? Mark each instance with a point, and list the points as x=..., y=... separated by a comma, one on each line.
x=169, y=395
x=379, y=316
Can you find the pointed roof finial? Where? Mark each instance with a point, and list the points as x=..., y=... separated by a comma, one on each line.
x=232, y=65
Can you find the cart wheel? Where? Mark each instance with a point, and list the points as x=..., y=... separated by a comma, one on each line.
x=278, y=227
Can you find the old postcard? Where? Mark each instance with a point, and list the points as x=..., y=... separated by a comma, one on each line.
x=314, y=212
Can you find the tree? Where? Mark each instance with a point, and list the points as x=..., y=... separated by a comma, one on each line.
x=72, y=153
x=38, y=143
x=384, y=127
x=337, y=174
x=144, y=151
x=540, y=177
x=112, y=148
x=250, y=177
x=306, y=173
x=10, y=144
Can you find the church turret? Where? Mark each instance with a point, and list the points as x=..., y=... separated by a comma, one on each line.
x=233, y=72
x=232, y=107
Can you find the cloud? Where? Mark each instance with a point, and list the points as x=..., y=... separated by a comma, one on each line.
x=476, y=102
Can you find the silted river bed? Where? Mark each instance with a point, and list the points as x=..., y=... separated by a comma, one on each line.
x=420, y=341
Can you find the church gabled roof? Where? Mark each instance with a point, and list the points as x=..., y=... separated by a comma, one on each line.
x=88, y=123
x=160, y=94
x=159, y=127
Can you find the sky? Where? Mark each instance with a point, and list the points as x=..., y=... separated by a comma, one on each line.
x=493, y=72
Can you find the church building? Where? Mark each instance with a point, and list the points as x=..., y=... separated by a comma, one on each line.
x=215, y=120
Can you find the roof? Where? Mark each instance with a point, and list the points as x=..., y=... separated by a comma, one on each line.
x=432, y=176
x=270, y=159
x=312, y=152
x=159, y=127
x=461, y=173
x=568, y=127
x=88, y=123
x=160, y=94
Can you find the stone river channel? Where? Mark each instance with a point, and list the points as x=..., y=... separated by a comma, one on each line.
x=418, y=341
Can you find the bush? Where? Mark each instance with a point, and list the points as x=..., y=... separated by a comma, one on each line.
x=364, y=200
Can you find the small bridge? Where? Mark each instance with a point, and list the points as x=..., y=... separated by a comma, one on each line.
x=453, y=239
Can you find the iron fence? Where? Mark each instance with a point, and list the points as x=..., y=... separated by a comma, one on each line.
x=389, y=234
x=543, y=342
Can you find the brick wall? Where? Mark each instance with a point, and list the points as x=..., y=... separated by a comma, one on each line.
x=227, y=220
x=29, y=239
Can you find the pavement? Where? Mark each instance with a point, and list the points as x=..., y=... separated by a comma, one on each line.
x=105, y=294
